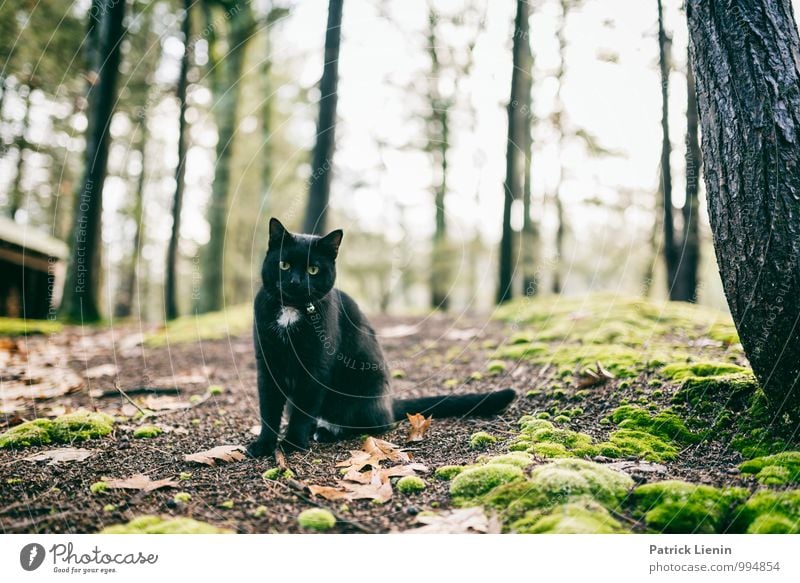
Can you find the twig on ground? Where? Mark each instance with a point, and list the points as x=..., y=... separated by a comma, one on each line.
x=299, y=489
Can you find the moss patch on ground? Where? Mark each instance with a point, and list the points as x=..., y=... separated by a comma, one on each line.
x=540, y=437
x=776, y=470
x=316, y=519
x=69, y=428
x=768, y=512
x=163, y=525
x=680, y=507
x=478, y=480
x=582, y=516
x=232, y=321
x=26, y=327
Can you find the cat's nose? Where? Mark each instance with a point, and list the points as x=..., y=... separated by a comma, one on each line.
x=294, y=279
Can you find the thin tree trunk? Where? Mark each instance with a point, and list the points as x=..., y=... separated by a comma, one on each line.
x=266, y=120
x=561, y=229
x=746, y=67
x=170, y=284
x=226, y=85
x=322, y=158
x=671, y=256
x=685, y=288
x=515, y=164
x=15, y=193
x=124, y=306
x=83, y=274
x=530, y=238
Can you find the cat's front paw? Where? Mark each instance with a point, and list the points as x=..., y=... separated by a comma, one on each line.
x=261, y=448
x=289, y=445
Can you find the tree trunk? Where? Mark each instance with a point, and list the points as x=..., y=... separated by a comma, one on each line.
x=170, y=286
x=15, y=194
x=225, y=75
x=558, y=122
x=124, y=306
x=83, y=274
x=530, y=231
x=746, y=59
x=515, y=163
x=671, y=255
x=322, y=158
x=685, y=288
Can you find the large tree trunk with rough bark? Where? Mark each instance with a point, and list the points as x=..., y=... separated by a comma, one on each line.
x=83, y=274
x=746, y=55
x=322, y=158
x=170, y=284
x=515, y=163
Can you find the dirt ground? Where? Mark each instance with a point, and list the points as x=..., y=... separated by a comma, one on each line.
x=436, y=354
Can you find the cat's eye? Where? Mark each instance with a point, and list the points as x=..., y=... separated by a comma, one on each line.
x=284, y=266
x=313, y=270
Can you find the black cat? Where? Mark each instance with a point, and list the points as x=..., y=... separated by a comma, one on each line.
x=317, y=353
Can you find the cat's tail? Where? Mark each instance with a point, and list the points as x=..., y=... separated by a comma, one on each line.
x=455, y=405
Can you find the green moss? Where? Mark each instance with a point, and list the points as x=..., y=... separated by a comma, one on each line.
x=516, y=458
x=450, y=383
x=583, y=516
x=215, y=390
x=278, y=473
x=476, y=481
x=410, y=484
x=182, y=497
x=496, y=367
x=481, y=440
x=561, y=419
x=98, y=487
x=778, y=469
x=680, y=507
x=316, y=519
x=769, y=512
x=631, y=442
x=109, y=508
x=163, y=525
x=27, y=327
x=565, y=478
x=211, y=326
x=147, y=431
x=398, y=374
x=542, y=438
x=683, y=371
x=475, y=376
x=260, y=511
x=448, y=472
x=12, y=481
x=227, y=504
x=543, y=415
x=523, y=351
x=663, y=424
x=185, y=476
x=69, y=428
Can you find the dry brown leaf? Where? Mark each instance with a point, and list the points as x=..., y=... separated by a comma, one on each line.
x=103, y=370
x=329, y=492
x=62, y=454
x=221, y=453
x=182, y=379
x=375, y=488
x=386, y=473
x=373, y=452
x=419, y=426
x=593, y=377
x=141, y=482
x=461, y=521
x=165, y=403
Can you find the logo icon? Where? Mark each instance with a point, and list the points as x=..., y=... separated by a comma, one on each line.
x=31, y=556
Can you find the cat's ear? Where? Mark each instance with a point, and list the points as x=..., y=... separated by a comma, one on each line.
x=276, y=230
x=331, y=242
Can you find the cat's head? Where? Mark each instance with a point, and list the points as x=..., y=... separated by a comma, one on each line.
x=299, y=268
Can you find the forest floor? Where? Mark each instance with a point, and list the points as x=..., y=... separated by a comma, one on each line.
x=646, y=394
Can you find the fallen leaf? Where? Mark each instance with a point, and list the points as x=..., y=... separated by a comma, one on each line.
x=63, y=454
x=592, y=377
x=375, y=489
x=419, y=426
x=103, y=370
x=386, y=473
x=329, y=492
x=461, y=521
x=182, y=379
x=141, y=482
x=373, y=452
x=222, y=453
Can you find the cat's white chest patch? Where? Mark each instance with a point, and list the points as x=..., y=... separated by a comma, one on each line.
x=288, y=316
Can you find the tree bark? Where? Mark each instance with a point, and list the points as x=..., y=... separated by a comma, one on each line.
x=322, y=158
x=15, y=194
x=170, y=284
x=746, y=57
x=226, y=85
x=685, y=287
x=512, y=186
x=671, y=255
x=83, y=274
x=530, y=230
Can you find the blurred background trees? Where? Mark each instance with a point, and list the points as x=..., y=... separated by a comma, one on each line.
x=223, y=115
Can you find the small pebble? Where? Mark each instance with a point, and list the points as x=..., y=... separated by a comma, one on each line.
x=412, y=510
